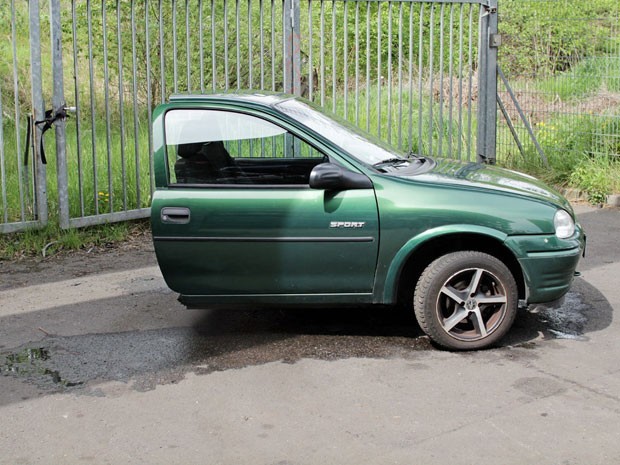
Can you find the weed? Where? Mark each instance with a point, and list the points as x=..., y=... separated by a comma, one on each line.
x=51, y=239
x=597, y=177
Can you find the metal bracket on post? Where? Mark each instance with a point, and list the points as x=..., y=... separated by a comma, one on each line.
x=487, y=85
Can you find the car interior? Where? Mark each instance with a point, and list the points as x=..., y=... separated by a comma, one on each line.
x=212, y=163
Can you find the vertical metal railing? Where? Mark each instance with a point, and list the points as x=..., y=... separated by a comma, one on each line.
x=23, y=201
x=487, y=84
x=561, y=104
x=108, y=168
x=127, y=56
x=407, y=71
x=417, y=73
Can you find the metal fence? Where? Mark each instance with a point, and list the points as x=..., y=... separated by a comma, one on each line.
x=562, y=60
x=420, y=74
x=22, y=179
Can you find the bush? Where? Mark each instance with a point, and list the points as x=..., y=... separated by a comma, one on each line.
x=542, y=37
x=597, y=177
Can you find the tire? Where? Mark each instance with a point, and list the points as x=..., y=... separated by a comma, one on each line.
x=466, y=300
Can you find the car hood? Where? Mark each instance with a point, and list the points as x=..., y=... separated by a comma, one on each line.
x=478, y=175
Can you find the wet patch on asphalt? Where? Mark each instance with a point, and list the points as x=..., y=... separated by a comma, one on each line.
x=231, y=339
x=568, y=320
x=30, y=363
x=222, y=340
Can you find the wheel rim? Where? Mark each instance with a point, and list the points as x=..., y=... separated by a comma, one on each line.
x=471, y=304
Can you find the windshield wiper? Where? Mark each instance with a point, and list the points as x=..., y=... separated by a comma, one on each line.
x=416, y=156
x=391, y=161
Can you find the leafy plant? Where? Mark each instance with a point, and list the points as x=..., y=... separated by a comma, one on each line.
x=52, y=240
x=597, y=176
x=542, y=38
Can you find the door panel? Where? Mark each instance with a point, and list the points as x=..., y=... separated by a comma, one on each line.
x=238, y=216
x=267, y=241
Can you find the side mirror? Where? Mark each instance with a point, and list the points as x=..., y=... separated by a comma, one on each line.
x=329, y=176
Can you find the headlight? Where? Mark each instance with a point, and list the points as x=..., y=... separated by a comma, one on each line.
x=564, y=224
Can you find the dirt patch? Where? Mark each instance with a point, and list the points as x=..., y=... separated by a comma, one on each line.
x=538, y=106
x=603, y=103
x=135, y=251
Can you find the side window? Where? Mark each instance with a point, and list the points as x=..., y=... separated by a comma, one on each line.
x=224, y=147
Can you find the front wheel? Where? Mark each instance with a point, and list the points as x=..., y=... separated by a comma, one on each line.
x=466, y=300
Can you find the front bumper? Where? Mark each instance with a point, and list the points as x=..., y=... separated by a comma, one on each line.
x=548, y=264
x=549, y=275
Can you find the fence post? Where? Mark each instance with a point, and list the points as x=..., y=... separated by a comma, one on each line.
x=38, y=110
x=487, y=85
x=58, y=103
x=292, y=47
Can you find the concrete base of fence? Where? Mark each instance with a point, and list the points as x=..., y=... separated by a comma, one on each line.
x=613, y=200
x=576, y=196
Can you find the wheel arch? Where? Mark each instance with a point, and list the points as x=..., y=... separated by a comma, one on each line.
x=419, y=252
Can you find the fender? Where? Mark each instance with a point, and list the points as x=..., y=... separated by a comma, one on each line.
x=392, y=276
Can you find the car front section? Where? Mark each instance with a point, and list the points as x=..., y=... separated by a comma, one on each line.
x=294, y=207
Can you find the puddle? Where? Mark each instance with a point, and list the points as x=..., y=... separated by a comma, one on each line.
x=567, y=321
x=30, y=363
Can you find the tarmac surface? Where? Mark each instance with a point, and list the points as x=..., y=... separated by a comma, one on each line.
x=100, y=364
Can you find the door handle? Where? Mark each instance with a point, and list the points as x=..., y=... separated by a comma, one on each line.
x=175, y=215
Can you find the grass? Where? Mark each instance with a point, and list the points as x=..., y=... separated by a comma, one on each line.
x=597, y=176
x=105, y=175
x=588, y=77
x=52, y=240
x=583, y=152
x=575, y=119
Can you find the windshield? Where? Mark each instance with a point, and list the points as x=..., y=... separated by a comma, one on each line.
x=361, y=145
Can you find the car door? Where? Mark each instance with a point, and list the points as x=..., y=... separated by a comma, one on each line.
x=238, y=217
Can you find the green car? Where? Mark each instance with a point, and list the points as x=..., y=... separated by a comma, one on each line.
x=265, y=199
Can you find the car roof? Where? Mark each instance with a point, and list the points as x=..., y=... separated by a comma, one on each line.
x=256, y=97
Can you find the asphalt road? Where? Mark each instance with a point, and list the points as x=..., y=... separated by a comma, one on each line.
x=99, y=364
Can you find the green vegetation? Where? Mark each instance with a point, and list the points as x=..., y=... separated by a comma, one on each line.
x=541, y=38
x=580, y=134
x=578, y=150
x=598, y=177
x=563, y=59
x=51, y=239
x=565, y=68
x=585, y=79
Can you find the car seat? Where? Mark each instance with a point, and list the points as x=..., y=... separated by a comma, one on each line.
x=203, y=162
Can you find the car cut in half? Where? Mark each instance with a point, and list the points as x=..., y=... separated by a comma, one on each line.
x=266, y=199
